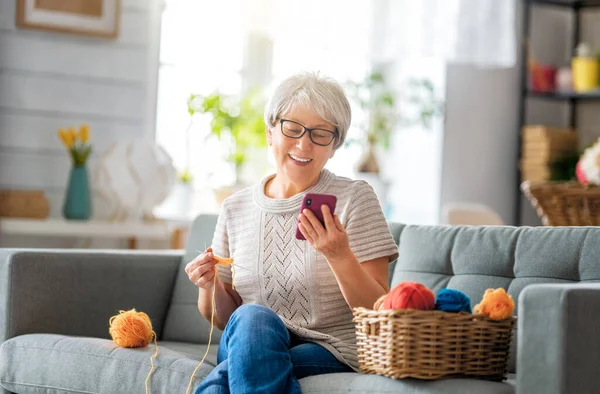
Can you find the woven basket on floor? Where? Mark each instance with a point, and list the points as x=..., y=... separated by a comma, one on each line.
x=432, y=344
x=564, y=203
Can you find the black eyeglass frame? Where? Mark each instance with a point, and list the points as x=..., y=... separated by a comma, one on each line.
x=334, y=133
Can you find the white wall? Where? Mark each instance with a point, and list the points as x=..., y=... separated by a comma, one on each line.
x=50, y=80
x=480, y=136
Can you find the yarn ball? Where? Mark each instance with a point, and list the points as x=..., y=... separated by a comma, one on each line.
x=450, y=300
x=410, y=295
x=131, y=329
x=587, y=170
x=496, y=304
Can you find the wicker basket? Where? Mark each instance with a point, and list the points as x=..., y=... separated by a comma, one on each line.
x=564, y=203
x=432, y=344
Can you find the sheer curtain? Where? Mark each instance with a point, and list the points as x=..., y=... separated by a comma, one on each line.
x=477, y=32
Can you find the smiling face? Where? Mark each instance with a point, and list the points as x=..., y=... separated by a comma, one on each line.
x=300, y=160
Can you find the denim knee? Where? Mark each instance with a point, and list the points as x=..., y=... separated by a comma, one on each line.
x=250, y=316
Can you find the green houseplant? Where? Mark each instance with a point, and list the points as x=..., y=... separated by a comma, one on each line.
x=236, y=121
x=380, y=102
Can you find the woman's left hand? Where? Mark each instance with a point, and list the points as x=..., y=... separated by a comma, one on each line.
x=332, y=240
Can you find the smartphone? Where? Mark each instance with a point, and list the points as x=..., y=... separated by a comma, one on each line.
x=314, y=201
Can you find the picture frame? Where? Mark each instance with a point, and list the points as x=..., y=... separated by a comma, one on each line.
x=99, y=18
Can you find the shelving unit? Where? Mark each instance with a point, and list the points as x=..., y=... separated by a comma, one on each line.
x=571, y=98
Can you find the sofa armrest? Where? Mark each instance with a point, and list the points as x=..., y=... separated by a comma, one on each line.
x=75, y=292
x=558, y=342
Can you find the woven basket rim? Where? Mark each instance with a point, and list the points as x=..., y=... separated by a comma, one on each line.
x=563, y=186
x=429, y=313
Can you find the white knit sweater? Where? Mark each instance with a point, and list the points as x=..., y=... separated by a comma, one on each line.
x=276, y=270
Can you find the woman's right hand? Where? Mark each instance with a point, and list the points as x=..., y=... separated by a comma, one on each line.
x=201, y=271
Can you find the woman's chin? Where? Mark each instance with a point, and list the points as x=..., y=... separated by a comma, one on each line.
x=298, y=173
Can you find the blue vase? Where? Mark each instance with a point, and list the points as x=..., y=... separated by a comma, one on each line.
x=78, y=204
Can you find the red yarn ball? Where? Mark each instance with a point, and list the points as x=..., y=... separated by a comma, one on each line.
x=410, y=295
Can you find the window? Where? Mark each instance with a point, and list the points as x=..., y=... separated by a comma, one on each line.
x=227, y=45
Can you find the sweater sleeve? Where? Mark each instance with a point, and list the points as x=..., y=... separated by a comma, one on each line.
x=220, y=245
x=367, y=228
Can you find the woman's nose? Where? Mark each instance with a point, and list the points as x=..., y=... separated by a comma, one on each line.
x=304, y=142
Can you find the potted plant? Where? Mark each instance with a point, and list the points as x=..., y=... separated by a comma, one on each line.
x=377, y=101
x=237, y=121
x=77, y=203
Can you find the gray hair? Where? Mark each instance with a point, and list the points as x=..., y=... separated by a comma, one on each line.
x=321, y=94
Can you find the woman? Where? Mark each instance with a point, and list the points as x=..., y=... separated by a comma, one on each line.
x=290, y=314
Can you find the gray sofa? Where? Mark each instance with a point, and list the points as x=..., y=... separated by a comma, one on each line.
x=55, y=306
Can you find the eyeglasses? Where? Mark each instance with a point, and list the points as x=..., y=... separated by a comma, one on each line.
x=321, y=137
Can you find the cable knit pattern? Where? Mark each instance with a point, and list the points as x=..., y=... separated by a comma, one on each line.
x=275, y=269
x=284, y=269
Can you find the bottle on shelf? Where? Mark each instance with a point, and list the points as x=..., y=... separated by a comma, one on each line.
x=585, y=69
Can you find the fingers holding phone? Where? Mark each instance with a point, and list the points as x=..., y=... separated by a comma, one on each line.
x=321, y=227
x=313, y=202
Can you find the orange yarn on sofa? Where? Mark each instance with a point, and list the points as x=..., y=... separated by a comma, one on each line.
x=410, y=295
x=131, y=329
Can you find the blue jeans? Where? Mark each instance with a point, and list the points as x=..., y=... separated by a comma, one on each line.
x=257, y=354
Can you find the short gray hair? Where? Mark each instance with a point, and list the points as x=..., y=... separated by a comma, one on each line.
x=321, y=94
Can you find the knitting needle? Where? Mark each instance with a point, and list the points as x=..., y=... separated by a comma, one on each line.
x=235, y=265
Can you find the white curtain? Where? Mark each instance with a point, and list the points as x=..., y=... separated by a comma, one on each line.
x=476, y=32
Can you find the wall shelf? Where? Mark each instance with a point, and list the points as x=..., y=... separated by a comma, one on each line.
x=568, y=3
x=595, y=95
x=572, y=99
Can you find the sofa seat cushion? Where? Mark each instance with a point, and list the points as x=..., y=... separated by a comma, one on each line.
x=362, y=383
x=193, y=351
x=37, y=363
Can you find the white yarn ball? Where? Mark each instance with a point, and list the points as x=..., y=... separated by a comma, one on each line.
x=589, y=164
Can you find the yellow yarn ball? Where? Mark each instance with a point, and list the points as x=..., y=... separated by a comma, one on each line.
x=131, y=329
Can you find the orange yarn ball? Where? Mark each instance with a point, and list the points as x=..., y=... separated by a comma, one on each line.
x=496, y=304
x=410, y=295
x=131, y=329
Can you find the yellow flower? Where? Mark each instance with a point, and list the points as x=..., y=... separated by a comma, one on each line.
x=84, y=133
x=65, y=138
x=72, y=135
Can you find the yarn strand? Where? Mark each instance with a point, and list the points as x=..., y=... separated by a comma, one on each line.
x=212, y=326
x=152, y=361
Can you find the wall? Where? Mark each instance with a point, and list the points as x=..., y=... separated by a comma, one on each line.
x=51, y=80
x=480, y=135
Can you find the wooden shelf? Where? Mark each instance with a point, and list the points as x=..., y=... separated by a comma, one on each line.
x=569, y=3
x=594, y=95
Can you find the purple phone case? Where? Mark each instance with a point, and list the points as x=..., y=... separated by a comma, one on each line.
x=316, y=200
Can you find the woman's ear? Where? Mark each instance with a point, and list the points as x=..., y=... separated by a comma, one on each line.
x=269, y=136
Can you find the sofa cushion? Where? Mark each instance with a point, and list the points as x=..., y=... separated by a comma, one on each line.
x=361, y=383
x=192, y=351
x=61, y=363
